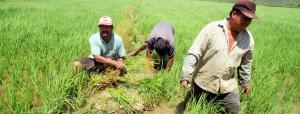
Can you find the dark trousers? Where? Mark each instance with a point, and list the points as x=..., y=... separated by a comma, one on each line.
x=91, y=65
x=229, y=101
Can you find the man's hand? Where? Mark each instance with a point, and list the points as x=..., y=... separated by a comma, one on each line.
x=119, y=65
x=185, y=84
x=246, y=89
x=153, y=69
x=170, y=63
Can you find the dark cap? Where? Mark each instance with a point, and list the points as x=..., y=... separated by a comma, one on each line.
x=247, y=7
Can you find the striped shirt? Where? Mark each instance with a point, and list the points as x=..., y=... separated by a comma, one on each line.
x=210, y=66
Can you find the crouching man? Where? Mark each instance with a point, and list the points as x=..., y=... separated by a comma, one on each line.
x=107, y=50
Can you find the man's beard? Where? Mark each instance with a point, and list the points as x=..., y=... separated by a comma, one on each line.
x=105, y=34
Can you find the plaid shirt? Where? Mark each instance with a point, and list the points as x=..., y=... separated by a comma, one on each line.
x=210, y=66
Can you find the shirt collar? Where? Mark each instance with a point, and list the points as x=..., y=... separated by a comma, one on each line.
x=223, y=24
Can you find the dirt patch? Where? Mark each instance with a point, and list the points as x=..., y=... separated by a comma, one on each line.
x=165, y=108
x=110, y=101
x=103, y=103
x=102, y=94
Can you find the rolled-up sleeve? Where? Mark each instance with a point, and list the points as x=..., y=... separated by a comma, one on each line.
x=171, y=52
x=244, y=70
x=150, y=44
x=194, y=56
x=188, y=67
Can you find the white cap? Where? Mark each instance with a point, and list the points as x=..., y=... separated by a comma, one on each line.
x=105, y=20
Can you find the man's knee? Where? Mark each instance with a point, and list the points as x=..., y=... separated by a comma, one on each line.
x=232, y=108
x=232, y=101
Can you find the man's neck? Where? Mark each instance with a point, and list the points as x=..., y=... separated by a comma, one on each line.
x=107, y=39
x=231, y=29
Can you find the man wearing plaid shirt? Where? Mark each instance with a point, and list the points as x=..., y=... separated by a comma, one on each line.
x=219, y=49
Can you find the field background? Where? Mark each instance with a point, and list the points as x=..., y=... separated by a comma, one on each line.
x=39, y=41
x=274, y=3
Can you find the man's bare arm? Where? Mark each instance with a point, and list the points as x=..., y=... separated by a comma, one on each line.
x=143, y=47
x=108, y=61
x=170, y=63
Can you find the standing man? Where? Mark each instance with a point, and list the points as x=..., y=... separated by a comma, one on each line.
x=107, y=49
x=219, y=49
x=161, y=39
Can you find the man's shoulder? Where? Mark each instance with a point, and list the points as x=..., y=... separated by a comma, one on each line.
x=117, y=37
x=215, y=24
x=151, y=38
x=214, y=27
x=95, y=37
x=249, y=35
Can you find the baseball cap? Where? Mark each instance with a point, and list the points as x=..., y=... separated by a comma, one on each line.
x=105, y=20
x=247, y=7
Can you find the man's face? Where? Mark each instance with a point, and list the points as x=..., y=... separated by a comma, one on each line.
x=105, y=31
x=241, y=22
